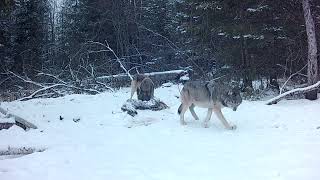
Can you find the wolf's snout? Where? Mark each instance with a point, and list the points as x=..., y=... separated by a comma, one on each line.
x=234, y=109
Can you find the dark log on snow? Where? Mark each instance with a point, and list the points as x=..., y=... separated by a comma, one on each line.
x=298, y=90
x=6, y=125
x=19, y=121
x=158, y=78
x=132, y=105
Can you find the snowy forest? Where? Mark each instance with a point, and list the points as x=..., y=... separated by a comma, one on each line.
x=113, y=89
x=77, y=40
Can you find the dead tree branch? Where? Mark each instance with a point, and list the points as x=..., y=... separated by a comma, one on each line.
x=109, y=49
x=298, y=90
x=296, y=73
x=51, y=87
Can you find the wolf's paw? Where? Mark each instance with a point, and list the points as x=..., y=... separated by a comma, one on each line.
x=183, y=123
x=233, y=127
x=205, y=125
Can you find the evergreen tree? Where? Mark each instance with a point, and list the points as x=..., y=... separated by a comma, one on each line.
x=29, y=36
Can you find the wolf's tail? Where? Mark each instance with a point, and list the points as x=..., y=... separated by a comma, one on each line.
x=180, y=109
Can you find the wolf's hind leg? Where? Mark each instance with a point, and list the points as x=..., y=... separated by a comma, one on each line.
x=191, y=108
x=220, y=116
x=207, y=119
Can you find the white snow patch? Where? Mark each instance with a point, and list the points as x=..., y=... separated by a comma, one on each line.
x=281, y=141
x=260, y=8
x=4, y=119
x=166, y=72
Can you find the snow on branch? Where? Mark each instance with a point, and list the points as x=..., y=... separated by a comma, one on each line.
x=298, y=90
x=120, y=80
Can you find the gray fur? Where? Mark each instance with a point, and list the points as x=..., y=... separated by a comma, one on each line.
x=213, y=95
x=144, y=87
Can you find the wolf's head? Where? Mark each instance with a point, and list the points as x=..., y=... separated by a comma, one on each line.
x=232, y=98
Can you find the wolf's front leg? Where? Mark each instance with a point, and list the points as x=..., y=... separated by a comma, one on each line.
x=191, y=108
x=134, y=87
x=220, y=116
x=183, y=111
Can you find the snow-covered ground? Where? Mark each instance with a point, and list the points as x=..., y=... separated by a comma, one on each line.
x=275, y=142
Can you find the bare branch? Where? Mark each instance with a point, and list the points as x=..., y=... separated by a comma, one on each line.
x=108, y=48
x=38, y=91
x=298, y=90
x=103, y=84
x=53, y=76
x=25, y=80
x=297, y=73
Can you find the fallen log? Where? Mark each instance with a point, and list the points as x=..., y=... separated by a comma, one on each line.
x=298, y=90
x=19, y=121
x=158, y=78
x=6, y=125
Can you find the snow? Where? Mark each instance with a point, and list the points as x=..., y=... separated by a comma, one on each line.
x=256, y=37
x=184, y=77
x=166, y=72
x=4, y=119
x=252, y=10
x=260, y=8
x=276, y=142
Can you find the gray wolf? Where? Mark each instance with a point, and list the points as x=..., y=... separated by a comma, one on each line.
x=144, y=87
x=213, y=95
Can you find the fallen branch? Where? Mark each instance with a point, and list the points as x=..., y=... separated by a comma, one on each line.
x=298, y=90
x=38, y=91
x=53, y=86
x=45, y=87
x=158, y=78
x=74, y=87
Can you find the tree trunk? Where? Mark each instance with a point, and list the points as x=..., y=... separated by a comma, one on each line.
x=247, y=79
x=312, y=49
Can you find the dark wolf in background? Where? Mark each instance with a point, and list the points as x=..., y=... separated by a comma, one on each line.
x=144, y=87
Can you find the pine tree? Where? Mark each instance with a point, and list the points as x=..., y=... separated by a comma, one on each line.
x=29, y=36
